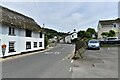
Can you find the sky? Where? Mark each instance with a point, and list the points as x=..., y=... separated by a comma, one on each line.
x=66, y=16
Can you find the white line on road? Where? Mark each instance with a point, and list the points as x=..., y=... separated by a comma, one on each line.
x=70, y=70
x=71, y=61
x=63, y=59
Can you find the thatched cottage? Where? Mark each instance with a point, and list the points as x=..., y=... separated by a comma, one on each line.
x=18, y=33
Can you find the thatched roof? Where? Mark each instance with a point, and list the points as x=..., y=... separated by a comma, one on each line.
x=109, y=22
x=15, y=19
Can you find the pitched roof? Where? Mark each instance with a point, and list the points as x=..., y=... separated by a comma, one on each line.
x=15, y=19
x=109, y=22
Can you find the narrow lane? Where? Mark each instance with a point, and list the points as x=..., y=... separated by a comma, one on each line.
x=49, y=64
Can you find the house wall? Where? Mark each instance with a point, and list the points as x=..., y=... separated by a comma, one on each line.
x=0, y=39
x=68, y=39
x=106, y=28
x=74, y=35
x=19, y=39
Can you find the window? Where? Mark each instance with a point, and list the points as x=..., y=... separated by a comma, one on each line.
x=11, y=46
x=28, y=45
x=114, y=25
x=11, y=31
x=40, y=44
x=72, y=36
x=35, y=44
x=28, y=33
x=40, y=35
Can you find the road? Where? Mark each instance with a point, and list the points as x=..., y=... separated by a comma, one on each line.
x=49, y=64
x=101, y=63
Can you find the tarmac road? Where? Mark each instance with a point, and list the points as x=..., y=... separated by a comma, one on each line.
x=101, y=63
x=49, y=64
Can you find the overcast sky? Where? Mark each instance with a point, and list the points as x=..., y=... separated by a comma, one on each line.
x=66, y=16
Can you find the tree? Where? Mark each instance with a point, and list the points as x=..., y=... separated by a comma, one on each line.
x=81, y=34
x=105, y=34
x=111, y=33
x=46, y=41
x=88, y=35
x=91, y=30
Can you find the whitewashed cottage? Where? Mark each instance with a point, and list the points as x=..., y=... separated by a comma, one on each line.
x=70, y=37
x=18, y=33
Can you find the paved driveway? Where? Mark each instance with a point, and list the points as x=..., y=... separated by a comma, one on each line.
x=97, y=64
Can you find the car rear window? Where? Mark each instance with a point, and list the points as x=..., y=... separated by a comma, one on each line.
x=94, y=41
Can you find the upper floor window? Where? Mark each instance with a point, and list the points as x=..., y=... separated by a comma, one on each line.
x=114, y=25
x=28, y=33
x=41, y=35
x=11, y=31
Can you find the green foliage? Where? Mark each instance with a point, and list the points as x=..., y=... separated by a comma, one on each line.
x=91, y=30
x=105, y=34
x=81, y=34
x=46, y=41
x=87, y=34
x=50, y=33
x=74, y=40
x=111, y=33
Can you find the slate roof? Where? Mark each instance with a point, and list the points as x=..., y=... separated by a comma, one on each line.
x=18, y=20
x=109, y=22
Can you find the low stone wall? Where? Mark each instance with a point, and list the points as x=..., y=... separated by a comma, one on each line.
x=79, y=49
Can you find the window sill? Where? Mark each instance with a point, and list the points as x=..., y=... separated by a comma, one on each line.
x=12, y=34
x=11, y=51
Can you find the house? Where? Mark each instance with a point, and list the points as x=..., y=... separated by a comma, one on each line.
x=70, y=37
x=107, y=25
x=18, y=33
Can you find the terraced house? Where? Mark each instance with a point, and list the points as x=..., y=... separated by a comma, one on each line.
x=107, y=25
x=18, y=33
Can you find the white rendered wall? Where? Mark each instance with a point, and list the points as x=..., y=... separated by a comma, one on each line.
x=107, y=28
x=68, y=39
x=20, y=41
x=74, y=36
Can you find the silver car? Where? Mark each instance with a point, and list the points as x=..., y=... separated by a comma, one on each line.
x=93, y=44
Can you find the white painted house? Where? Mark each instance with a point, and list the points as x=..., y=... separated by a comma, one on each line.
x=19, y=33
x=107, y=25
x=70, y=37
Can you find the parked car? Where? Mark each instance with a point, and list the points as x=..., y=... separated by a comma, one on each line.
x=93, y=44
x=110, y=40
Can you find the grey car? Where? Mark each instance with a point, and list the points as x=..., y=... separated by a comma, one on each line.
x=93, y=44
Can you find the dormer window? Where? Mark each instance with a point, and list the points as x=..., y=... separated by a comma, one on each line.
x=114, y=25
x=11, y=31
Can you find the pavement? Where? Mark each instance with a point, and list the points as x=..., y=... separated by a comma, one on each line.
x=25, y=54
x=48, y=64
x=101, y=63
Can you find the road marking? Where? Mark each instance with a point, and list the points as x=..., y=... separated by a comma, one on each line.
x=108, y=48
x=70, y=70
x=46, y=53
x=71, y=61
x=63, y=59
x=57, y=52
